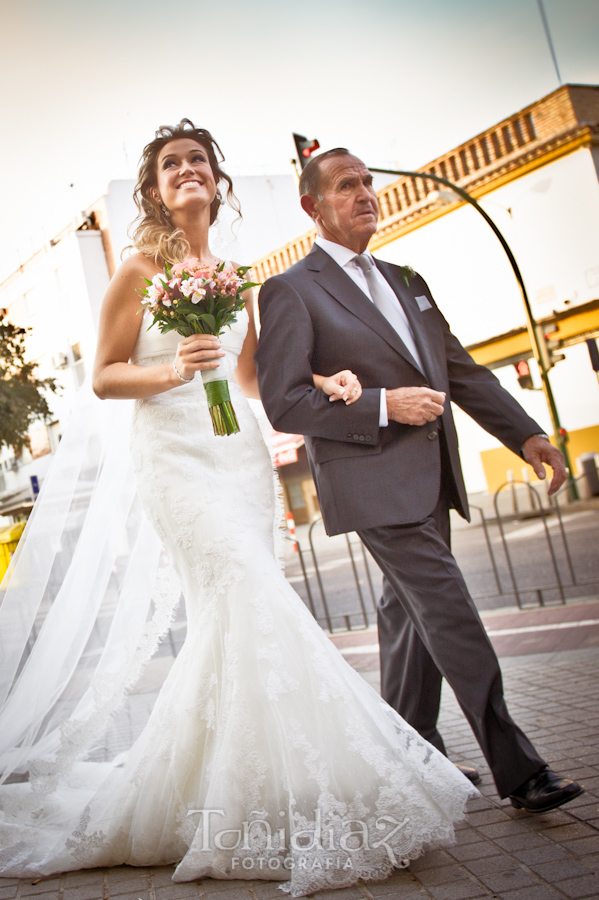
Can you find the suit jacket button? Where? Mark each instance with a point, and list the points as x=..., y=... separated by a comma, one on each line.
x=432, y=435
x=368, y=437
x=356, y=437
x=350, y=436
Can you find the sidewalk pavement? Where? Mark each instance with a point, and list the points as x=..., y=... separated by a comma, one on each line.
x=550, y=660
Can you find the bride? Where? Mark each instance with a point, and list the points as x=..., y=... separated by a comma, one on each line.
x=263, y=755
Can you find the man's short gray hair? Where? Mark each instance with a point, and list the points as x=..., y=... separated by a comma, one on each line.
x=310, y=177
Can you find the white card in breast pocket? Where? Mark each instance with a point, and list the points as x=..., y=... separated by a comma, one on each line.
x=423, y=303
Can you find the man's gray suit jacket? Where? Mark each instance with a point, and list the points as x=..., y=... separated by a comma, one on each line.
x=314, y=318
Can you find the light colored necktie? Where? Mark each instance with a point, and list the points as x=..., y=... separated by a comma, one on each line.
x=389, y=307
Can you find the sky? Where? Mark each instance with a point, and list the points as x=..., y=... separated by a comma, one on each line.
x=84, y=85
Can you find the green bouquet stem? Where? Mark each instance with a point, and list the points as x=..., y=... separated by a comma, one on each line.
x=224, y=420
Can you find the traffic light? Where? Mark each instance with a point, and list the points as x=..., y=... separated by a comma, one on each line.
x=304, y=148
x=547, y=346
x=524, y=376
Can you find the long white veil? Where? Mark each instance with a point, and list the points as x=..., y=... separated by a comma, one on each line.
x=86, y=601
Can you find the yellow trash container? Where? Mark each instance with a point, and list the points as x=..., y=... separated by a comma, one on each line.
x=9, y=538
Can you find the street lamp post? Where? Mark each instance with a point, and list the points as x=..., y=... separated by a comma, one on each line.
x=531, y=324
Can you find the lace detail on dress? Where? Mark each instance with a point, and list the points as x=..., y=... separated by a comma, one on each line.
x=107, y=691
x=262, y=755
x=81, y=844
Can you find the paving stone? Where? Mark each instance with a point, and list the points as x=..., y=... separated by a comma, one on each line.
x=91, y=891
x=237, y=890
x=510, y=880
x=466, y=890
x=548, y=853
x=443, y=875
x=46, y=885
x=135, y=895
x=584, y=846
x=9, y=891
x=228, y=893
x=128, y=886
x=129, y=873
x=431, y=861
x=213, y=885
x=175, y=891
x=569, y=832
x=521, y=841
x=266, y=890
x=504, y=829
x=479, y=803
x=83, y=877
x=581, y=887
x=560, y=869
x=479, y=850
x=486, y=817
x=162, y=875
x=490, y=864
x=587, y=812
x=352, y=893
x=402, y=892
x=468, y=836
x=537, y=892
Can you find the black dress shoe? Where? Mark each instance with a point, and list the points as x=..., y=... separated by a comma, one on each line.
x=545, y=791
x=470, y=772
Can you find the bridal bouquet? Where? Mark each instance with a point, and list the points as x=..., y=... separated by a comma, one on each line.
x=193, y=298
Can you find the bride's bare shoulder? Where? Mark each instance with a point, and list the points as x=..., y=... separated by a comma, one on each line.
x=138, y=265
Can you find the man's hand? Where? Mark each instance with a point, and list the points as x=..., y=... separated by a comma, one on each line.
x=536, y=451
x=414, y=405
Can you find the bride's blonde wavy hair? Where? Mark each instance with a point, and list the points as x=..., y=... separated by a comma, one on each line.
x=153, y=232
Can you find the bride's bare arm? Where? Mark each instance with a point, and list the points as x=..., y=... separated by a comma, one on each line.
x=245, y=373
x=114, y=376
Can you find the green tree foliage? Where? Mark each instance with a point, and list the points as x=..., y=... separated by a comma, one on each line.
x=21, y=397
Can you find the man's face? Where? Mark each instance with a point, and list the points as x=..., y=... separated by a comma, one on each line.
x=347, y=211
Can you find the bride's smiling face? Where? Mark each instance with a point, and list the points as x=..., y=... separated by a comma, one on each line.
x=184, y=175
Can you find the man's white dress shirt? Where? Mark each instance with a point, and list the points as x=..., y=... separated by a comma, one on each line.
x=345, y=258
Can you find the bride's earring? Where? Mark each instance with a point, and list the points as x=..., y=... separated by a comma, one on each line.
x=163, y=208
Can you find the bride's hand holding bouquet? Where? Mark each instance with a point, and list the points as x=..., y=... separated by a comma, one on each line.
x=193, y=298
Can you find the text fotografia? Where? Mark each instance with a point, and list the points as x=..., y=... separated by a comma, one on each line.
x=311, y=845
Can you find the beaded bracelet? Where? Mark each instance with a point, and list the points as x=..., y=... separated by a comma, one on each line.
x=186, y=380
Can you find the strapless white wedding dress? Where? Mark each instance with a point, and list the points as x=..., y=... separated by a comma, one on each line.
x=265, y=755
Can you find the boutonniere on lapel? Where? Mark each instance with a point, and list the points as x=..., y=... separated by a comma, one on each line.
x=407, y=272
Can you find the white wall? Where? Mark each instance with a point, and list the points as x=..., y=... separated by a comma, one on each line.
x=56, y=295
x=550, y=219
x=271, y=216
x=552, y=228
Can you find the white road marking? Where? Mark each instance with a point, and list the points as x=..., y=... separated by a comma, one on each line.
x=499, y=632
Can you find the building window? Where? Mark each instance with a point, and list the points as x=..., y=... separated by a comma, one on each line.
x=78, y=365
x=530, y=127
x=474, y=156
x=507, y=139
x=496, y=145
x=464, y=161
x=484, y=146
x=518, y=133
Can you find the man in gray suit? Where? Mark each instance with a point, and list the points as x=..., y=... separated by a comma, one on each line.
x=387, y=466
